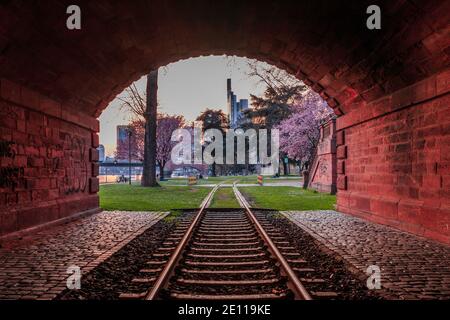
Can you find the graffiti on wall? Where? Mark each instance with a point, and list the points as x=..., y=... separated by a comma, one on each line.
x=65, y=162
x=69, y=158
x=76, y=177
x=9, y=176
x=323, y=169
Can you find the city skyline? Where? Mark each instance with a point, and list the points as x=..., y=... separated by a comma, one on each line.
x=235, y=106
x=187, y=88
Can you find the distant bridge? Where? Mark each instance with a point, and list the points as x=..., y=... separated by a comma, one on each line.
x=120, y=164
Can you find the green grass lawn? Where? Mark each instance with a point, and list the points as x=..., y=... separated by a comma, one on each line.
x=210, y=180
x=136, y=198
x=287, y=198
x=224, y=198
x=254, y=179
x=228, y=179
x=174, y=182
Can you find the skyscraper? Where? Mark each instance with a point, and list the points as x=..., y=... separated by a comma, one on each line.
x=234, y=106
x=122, y=134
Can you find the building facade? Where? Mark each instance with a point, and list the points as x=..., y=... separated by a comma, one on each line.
x=122, y=134
x=234, y=107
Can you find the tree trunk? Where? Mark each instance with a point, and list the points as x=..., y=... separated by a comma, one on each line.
x=161, y=170
x=285, y=166
x=149, y=170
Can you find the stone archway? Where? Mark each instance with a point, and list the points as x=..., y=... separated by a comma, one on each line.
x=389, y=88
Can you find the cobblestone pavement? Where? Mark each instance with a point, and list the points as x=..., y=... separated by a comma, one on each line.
x=35, y=267
x=411, y=267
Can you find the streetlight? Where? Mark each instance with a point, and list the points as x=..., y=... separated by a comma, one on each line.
x=115, y=168
x=130, y=134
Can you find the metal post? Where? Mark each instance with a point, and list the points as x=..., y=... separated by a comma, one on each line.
x=129, y=155
x=115, y=167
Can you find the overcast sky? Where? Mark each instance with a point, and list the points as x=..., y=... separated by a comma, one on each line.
x=187, y=87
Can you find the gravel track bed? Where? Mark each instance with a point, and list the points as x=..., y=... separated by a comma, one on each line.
x=227, y=219
x=228, y=290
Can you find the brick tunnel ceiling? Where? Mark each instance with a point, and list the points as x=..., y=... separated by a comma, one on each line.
x=326, y=43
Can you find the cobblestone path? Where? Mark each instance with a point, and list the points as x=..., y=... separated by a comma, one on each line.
x=411, y=267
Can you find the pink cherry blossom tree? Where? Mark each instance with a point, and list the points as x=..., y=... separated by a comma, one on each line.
x=166, y=124
x=300, y=132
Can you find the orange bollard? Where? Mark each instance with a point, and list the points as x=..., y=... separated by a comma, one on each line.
x=260, y=180
x=192, y=180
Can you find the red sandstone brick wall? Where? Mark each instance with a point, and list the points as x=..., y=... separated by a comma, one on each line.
x=323, y=169
x=395, y=168
x=51, y=160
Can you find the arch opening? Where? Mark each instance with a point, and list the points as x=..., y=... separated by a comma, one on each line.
x=189, y=87
x=388, y=87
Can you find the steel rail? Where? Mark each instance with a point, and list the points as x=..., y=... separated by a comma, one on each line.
x=298, y=288
x=164, y=277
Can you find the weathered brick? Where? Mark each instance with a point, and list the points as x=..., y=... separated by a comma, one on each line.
x=53, y=194
x=23, y=197
x=11, y=199
x=341, y=152
x=30, y=98
x=8, y=122
x=431, y=182
x=332, y=103
x=341, y=167
x=93, y=185
x=340, y=138
x=385, y=207
x=93, y=155
x=95, y=169
x=20, y=161
x=43, y=183
x=41, y=195
x=10, y=91
x=338, y=111
x=36, y=162
x=2, y=200
x=341, y=182
x=443, y=82
x=50, y=107
x=21, y=125
x=95, y=140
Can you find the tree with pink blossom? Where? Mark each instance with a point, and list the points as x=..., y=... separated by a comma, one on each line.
x=134, y=141
x=166, y=124
x=300, y=132
x=290, y=106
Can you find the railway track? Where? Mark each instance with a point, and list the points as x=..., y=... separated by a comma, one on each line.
x=221, y=254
